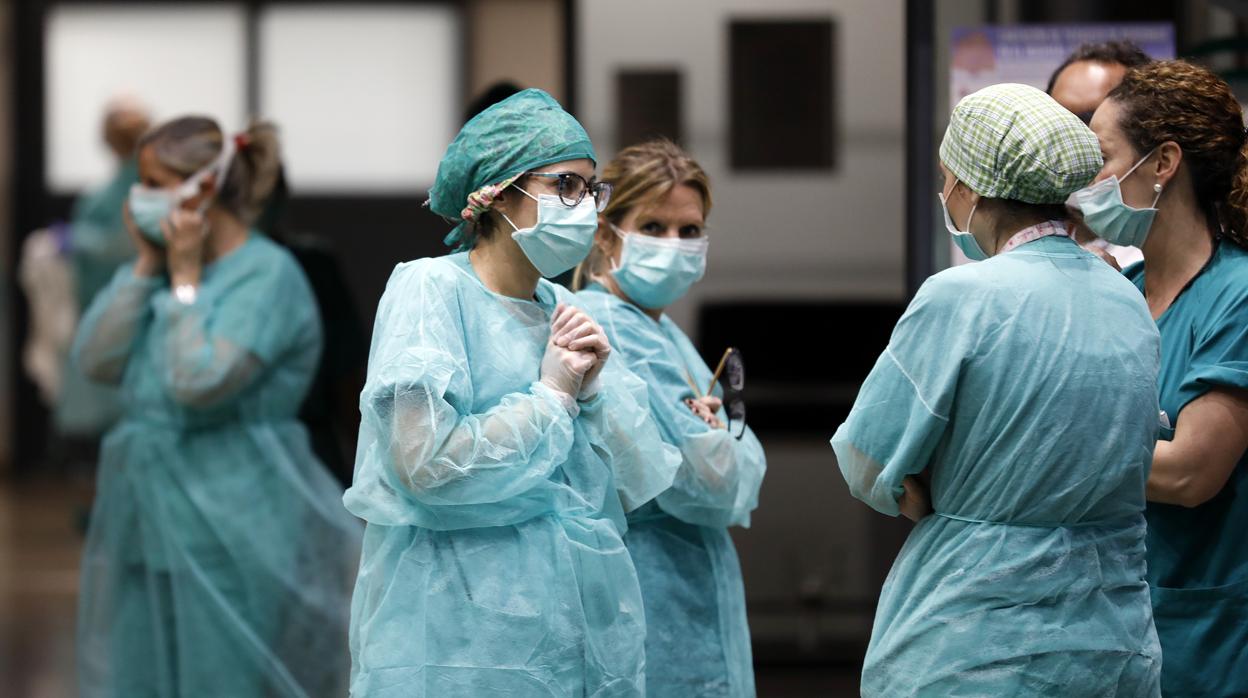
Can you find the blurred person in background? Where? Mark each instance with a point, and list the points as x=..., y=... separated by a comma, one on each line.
x=218, y=559
x=651, y=247
x=1080, y=84
x=83, y=255
x=1033, y=415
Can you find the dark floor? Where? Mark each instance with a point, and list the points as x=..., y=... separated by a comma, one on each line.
x=39, y=551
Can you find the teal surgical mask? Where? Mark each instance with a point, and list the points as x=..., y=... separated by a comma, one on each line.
x=562, y=236
x=1111, y=219
x=150, y=206
x=962, y=238
x=656, y=272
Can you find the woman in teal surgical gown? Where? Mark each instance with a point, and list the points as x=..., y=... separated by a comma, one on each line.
x=1023, y=389
x=1175, y=183
x=651, y=248
x=501, y=444
x=218, y=560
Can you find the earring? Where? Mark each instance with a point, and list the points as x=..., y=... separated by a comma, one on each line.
x=1157, y=187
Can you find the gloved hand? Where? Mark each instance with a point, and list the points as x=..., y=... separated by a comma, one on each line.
x=575, y=330
x=564, y=370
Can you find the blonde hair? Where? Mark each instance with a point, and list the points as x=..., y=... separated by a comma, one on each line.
x=188, y=144
x=642, y=175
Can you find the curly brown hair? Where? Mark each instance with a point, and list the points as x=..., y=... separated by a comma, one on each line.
x=1176, y=101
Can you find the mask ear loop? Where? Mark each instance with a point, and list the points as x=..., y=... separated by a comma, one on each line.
x=615, y=266
x=514, y=227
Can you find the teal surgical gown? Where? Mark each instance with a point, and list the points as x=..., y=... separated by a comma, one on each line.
x=1025, y=385
x=219, y=559
x=697, y=637
x=1198, y=557
x=493, y=562
x=98, y=245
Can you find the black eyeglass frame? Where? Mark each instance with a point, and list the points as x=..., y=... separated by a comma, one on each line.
x=600, y=190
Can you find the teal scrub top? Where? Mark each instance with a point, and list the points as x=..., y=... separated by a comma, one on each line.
x=493, y=559
x=219, y=559
x=1026, y=386
x=1198, y=557
x=697, y=635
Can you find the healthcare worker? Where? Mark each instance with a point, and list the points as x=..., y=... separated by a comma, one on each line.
x=1023, y=388
x=651, y=247
x=218, y=559
x=500, y=444
x=98, y=244
x=1175, y=184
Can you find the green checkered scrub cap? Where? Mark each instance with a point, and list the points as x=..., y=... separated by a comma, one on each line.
x=1014, y=142
x=523, y=132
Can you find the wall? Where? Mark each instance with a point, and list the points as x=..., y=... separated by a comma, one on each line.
x=518, y=40
x=785, y=235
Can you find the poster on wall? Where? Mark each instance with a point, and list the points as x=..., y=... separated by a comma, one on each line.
x=1029, y=53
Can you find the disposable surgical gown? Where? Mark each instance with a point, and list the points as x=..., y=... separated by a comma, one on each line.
x=697, y=639
x=1198, y=556
x=1026, y=386
x=493, y=562
x=219, y=558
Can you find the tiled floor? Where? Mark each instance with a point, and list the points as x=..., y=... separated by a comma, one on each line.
x=39, y=551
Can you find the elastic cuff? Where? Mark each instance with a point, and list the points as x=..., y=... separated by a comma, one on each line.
x=567, y=401
x=591, y=391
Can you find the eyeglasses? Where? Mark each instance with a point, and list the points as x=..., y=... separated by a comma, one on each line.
x=731, y=374
x=572, y=188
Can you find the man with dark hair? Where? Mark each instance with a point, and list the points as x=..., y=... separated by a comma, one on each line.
x=1081, y=82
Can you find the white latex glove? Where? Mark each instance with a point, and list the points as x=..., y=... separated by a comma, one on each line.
x=575, y=330
x=564, y=370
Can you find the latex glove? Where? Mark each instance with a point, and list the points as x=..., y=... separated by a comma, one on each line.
x=575, y=330
x=564, y=370
x=707, y=409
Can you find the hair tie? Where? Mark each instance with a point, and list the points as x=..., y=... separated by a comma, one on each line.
x=241, y=141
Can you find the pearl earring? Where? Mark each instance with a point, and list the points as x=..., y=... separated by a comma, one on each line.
x=1157, y=187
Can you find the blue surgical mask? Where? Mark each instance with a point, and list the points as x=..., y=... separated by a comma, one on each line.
x=963, y=238
x=149, y=206
x=1106, y=215
x=562, y=236
x=656, y=272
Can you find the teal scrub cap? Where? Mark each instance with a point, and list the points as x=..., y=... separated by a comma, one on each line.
x=525, y=131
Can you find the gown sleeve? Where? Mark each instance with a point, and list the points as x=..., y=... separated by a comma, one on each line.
x=1220, y=355
x=903, y=409
x=719, y=477
x=419, y=433
x=110, y=327
x=216, y=347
